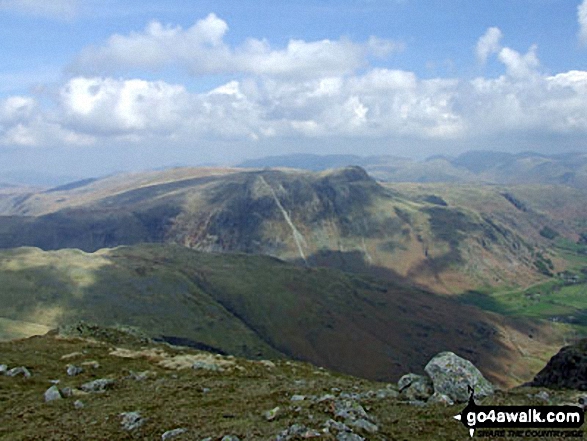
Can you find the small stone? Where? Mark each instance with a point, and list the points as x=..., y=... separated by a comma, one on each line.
x=3, y=369
x=132, y=420
x=52, y=394
x=173, y=433
x=140, y=376
x=73, y=370
x=298, y=398
x=78, y=404
x=230, y=438
x=206, y=366
x=336, y=425
x=71, y=355
x=438, y=398
x=542, y=395
x=365, y=425
x=91, y=364
x=67, y=392
x=347, y=436
x=326, y=397
x=270, y=415
x=267, y=363
x=97, y=385
x=21, y=370
x=205, y=390
x=415, y=387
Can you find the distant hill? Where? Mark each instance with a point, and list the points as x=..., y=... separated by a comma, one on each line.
x=448, y=238
x=313, y=162
x=489, y=167
x=261, y=307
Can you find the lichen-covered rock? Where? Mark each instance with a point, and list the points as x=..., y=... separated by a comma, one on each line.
x=414, y=387
x=452, y=375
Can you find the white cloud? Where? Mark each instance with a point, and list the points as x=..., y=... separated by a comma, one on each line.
x=582, y=18
x=518, y=65
x=332, y=102
x=62, y=9
x=201, y=50
x=488, y=44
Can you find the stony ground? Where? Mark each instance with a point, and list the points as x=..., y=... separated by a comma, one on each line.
x=122, y=387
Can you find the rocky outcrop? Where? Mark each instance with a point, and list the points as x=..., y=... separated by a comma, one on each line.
x=566, y=370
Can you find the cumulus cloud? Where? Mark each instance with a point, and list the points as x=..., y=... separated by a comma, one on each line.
x=201, y=50
x=272, y=103
x=488, y=44
x=62, y=9
x=582, y=18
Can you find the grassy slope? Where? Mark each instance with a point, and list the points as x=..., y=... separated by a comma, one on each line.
x=207, y=404
x=259, y=306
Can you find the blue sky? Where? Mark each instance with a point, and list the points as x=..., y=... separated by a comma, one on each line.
x=90, y=87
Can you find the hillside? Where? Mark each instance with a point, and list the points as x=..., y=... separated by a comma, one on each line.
x=446, y=238
x=258, y=307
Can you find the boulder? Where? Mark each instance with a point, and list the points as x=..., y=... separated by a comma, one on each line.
x=414, y=387
x=452, y=376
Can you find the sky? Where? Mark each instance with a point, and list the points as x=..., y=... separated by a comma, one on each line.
x=92, y=87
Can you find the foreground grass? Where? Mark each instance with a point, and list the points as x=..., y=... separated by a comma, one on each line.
x=206, y=403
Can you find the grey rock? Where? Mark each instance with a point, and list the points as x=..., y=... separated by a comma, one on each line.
x=78, y=404
x=336, y=425
x=326, y=397
x=296, y=431
x=173, y=433
x=73, y=370
x=3, y=369
x=99, y=385
x=452, y=375
x=349, y=410
x=21, y=370
x=131, y=420
x=206, y=366
x=67, y=392
x=543, y=395
x=270, y=415
x=415, y=387
x=365, y=425
x=297, y=398
x=52, y=394
x=437, y=398
x=386, y=393
x=230, y=438
x=348, y=436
